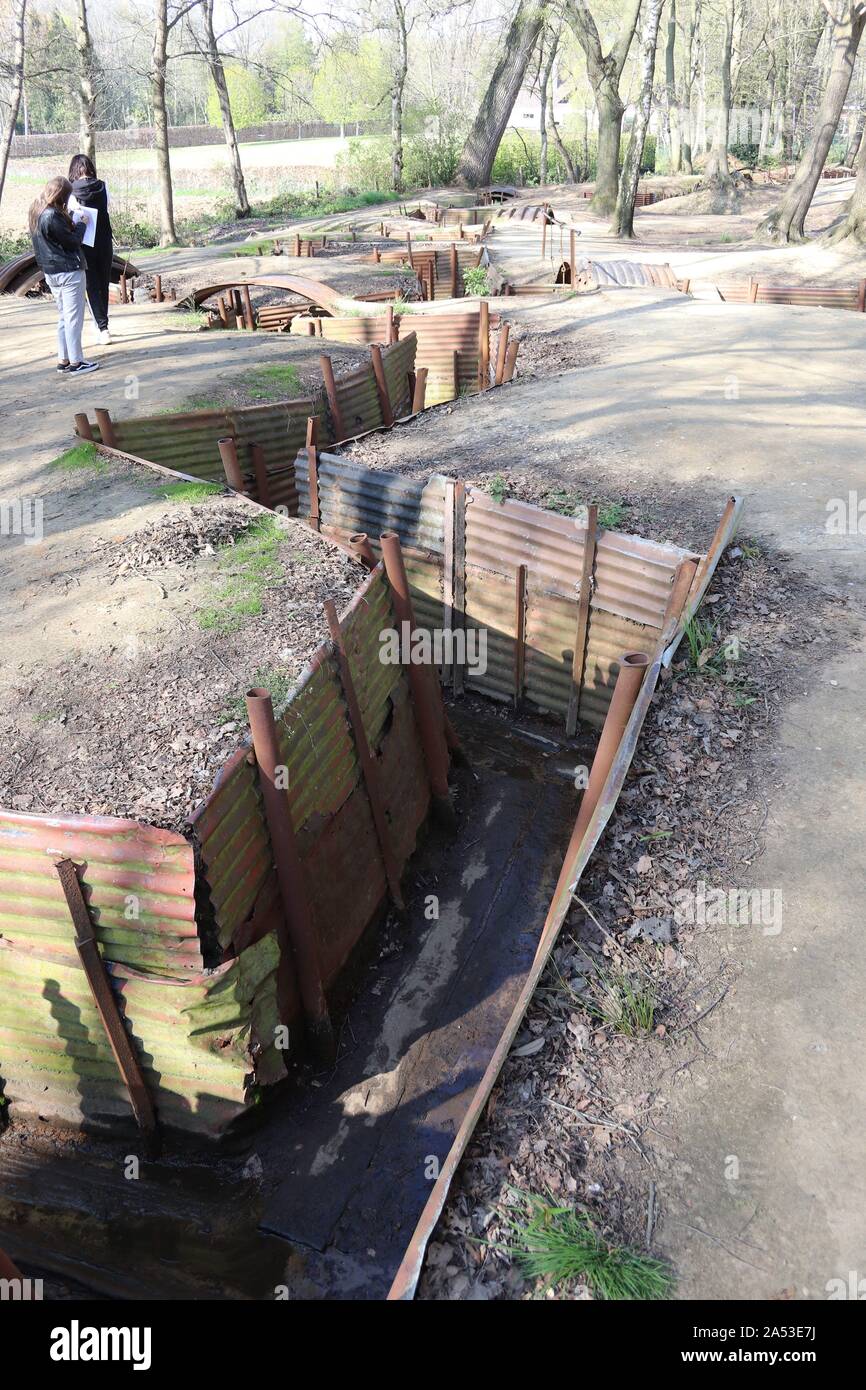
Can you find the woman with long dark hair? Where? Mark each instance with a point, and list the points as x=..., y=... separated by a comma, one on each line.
x=88, y=191
x=57, y=247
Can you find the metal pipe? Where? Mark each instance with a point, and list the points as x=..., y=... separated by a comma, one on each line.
x=106, y=428
x=483, y=345
x=331, y=389
x=423, y=682
x=632, y=669
x=298, y=932
x=229, y=454
x=511, y=360
x=157, y=285
x=420, y=390
x=248, y=309
x=504, y=331
x=82, y=427
x=381, y=385
x=313, y=470
x=359, y=543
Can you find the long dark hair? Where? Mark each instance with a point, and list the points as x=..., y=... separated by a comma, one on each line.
x=81, y=166
x=55, y=194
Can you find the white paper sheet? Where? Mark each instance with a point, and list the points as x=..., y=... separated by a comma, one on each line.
x=87, y=215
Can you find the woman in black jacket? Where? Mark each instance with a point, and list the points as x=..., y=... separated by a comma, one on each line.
x=57, y=247
x=88, y=191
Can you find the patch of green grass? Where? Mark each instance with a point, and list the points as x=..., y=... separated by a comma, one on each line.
x=190, y=492
x=276, y=683
x=80, y=456
x=624, y=1002
x=277, y=382
x=559, y=1244
x=188, y=320
x=700, y=635
x=560, y=499
x=251, y=564
x=193, y=402
x=611, y=515
x=657, y=835
x=749, y=549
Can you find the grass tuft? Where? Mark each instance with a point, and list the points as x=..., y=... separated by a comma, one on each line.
x=624, y=1003
x=190, y=492
x=276, y=683
x=81, y=455
x=252, y=563
x=559, y=1244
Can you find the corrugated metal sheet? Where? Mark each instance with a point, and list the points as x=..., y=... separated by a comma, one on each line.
x=639, y=273
x=128, y=869
x=398, y=360
x=815, y=297
x=192, y=1027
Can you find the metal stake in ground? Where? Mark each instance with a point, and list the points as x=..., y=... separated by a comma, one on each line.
x=424, y=684
x=104, y=998
x=298, y=930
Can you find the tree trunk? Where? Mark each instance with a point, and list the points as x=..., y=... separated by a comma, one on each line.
x=16, y=75
x=792, y=109
x=604, y=72
x=623, y=218
x=476, y=161
x=688, y=88
x=561, y=147
x=545, y=70
x=218, y=77
x=672, y=107
x=158, y=63
x=854, y=223
x=787, y=222
x=718, y=174
x=86, y=84
x=401, y=67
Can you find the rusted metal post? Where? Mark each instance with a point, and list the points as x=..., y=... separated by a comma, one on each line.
x=861, y=297
x=157, y=286
x=391, y=329
x=431, y=279
x=510, y=360
x=381, y=385
x=106, y=428
x=572, y=256
x=519, y=633
x=455, y=373
x=420, y=390
x=369, y=766
x=82, y=427
x=359, y=542
x=298, y=931
x=423, y=682
x=223, y=312
x=296, y=245
x=483, y=345
x=248, y=309
x=260, y=470
x=459, y=583
x=582, y=632
x=454, y=270
x=409, y=249
x=753, y=290
x=333, y=401
x=124, y=299
x=104, y=998
x=313, y=470
x=504, y=330
x=377, y=255
x=632, y=669
x=229, y=454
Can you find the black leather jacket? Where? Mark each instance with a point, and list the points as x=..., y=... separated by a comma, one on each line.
x=56, y=244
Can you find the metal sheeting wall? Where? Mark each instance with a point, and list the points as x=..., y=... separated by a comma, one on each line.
x=194, y=1031
x=328, y=801
x=632, y=578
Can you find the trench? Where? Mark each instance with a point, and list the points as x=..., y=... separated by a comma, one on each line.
x=318, y=1197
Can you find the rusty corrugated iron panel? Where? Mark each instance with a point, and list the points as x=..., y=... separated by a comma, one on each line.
x=138, y=883
x=352, y=498
x=398, y=360
x=439, y=336
x=196, y=1038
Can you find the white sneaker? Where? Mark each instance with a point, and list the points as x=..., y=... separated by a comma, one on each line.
x=104, y=337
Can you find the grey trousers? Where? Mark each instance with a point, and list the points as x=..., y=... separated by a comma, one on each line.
x=68, y=291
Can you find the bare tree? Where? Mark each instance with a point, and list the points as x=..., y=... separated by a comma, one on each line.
x=787, y=221
x=402, y=27
x=717, y=171
x=672, y=114
x=854, y=222
x=15, y=69
x=218, y=77
x=689, y=79
x=623, y=218
x=476, y=161
x=605, y=71
x=86, y=82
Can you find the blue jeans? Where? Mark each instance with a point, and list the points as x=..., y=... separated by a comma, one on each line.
x=68, y=291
